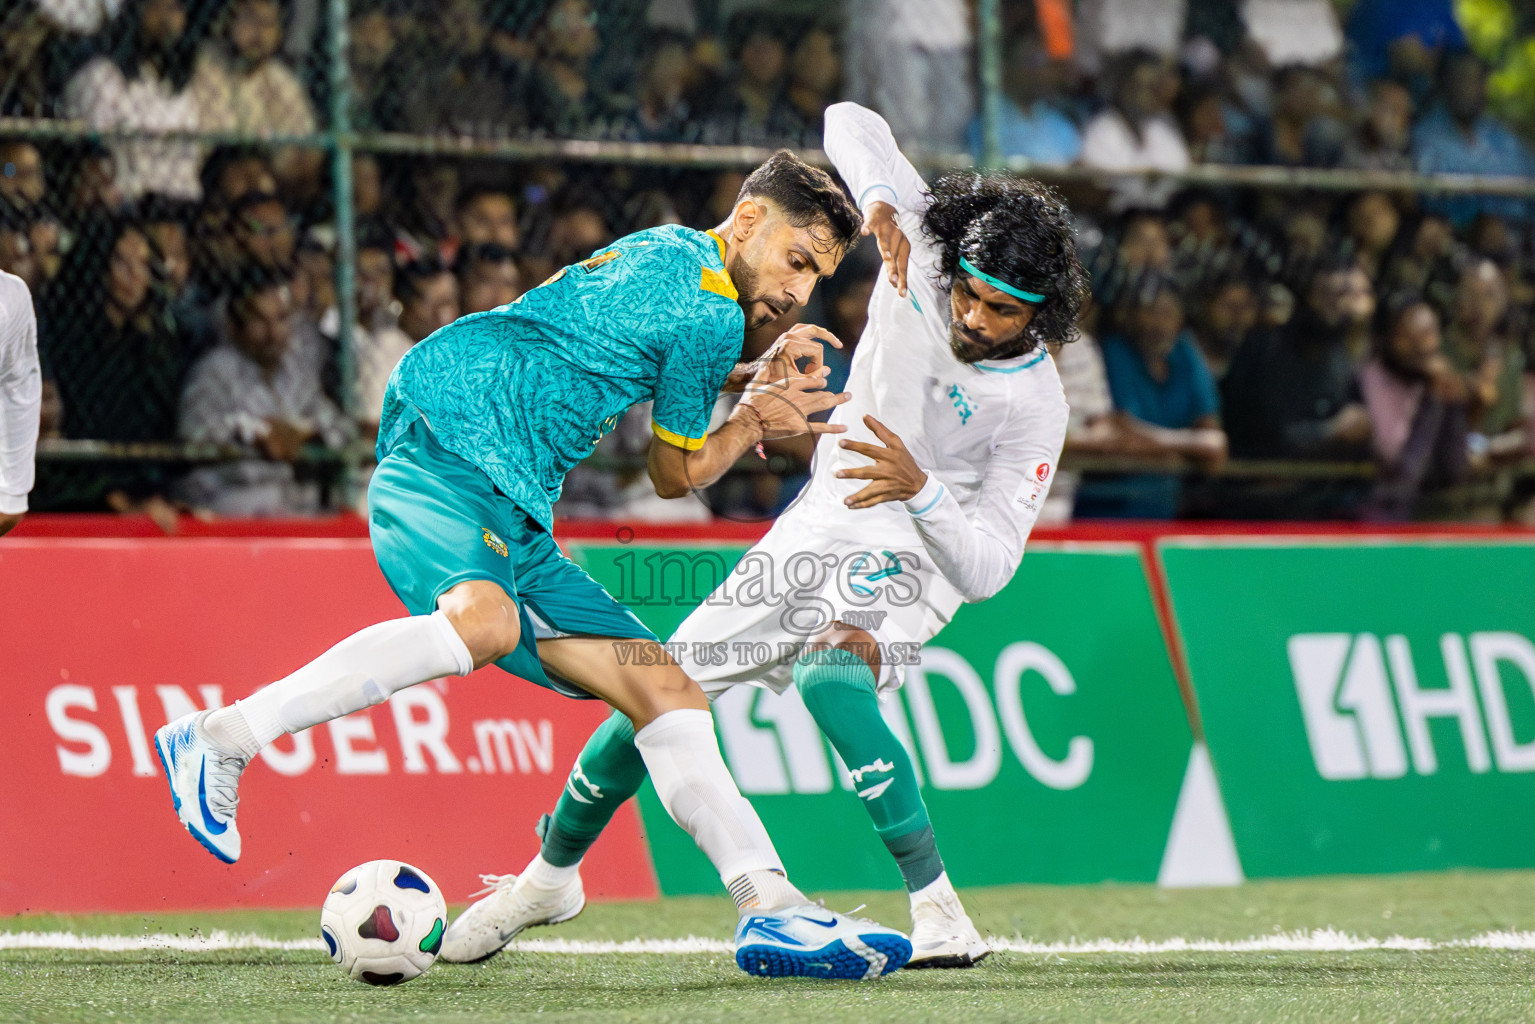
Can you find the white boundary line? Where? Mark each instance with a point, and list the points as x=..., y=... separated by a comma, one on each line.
x=1323, y=940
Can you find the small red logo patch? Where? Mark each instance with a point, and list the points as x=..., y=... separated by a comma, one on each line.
x=1043, y=472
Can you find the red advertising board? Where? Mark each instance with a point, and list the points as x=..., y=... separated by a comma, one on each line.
x=102, y=641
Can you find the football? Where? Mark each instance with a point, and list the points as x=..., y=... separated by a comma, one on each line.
x=383, y=922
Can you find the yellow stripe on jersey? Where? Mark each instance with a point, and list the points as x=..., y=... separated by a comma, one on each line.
x=718, y=281
x=598, y=260
x=688, y=444
x=718, y=242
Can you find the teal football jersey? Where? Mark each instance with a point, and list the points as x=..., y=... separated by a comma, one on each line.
x=525, y=391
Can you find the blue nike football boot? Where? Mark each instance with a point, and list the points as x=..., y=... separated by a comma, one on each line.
x=205, y=784
x=810, y=941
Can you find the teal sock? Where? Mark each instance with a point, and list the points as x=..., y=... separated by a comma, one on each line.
x=608, y=772
x=917, y=854
x=839, y=689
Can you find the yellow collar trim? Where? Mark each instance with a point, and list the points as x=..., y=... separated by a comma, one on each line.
x=718, y=281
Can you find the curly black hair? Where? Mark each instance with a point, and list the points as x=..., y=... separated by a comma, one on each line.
x=1015, y=229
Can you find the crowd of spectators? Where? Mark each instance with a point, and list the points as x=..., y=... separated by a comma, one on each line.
x=187, y=288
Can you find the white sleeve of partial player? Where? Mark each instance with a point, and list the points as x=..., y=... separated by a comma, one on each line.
x=978, y=553
x=862, y=149
x=21, y=394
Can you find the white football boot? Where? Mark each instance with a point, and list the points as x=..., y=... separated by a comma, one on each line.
x=205, y=784
x=810, y=941
x=490, y=923
x=941, y=932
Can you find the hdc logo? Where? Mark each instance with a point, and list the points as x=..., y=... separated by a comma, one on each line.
x=774, y=746
x=1360, y=694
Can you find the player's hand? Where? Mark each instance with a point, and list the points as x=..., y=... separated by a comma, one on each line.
x=894, y=248
x=8, y=521
x=802, y=341
x=785, y=405
x=895, y=475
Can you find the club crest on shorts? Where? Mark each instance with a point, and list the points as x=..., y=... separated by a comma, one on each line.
x=493, y=542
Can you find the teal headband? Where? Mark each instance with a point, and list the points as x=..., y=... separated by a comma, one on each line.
x=999, y=284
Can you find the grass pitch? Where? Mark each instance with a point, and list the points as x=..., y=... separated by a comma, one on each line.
x=1290, y=973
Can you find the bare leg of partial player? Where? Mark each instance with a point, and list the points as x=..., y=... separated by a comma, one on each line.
x=476, y=624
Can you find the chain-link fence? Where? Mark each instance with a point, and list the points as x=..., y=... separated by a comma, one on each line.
x=237, y=215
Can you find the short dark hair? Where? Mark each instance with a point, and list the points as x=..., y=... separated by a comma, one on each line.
x=1017, y=229
x=1124, y=67
x=157, y=208
x=375, y=234
x=807, y=195
x=251, y=200
x=486, y=252
x=1146, y=289
x=469, y=196
x=1392, y=307
x=224, y=157
x=249, y=282
x=408, y=278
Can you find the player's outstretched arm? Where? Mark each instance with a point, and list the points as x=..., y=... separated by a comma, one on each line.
x=862, y=148
x=881, y=179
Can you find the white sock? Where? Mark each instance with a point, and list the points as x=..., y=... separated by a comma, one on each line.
x=360, y=671
x=764, y=890
x=939, y=890
x=696, y=789
x=542, y=875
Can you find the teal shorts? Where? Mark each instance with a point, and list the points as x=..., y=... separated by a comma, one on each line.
x=437, y=521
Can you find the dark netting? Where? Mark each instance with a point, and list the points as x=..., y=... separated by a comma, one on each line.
x=167, y=188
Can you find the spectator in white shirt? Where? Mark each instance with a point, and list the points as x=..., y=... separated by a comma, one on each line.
x=21, y=398
x=144, y=83
x=244, y=85
x=260, y=388
x=1136, y=133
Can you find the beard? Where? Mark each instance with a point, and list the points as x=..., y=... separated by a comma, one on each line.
x=967, y=346
x=971, y=347
x=744, y=276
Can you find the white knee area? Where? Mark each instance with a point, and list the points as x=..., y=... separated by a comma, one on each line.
x=683, y=757
x=360, y=671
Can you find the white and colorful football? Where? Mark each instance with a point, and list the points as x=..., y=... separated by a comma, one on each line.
x=383, y=922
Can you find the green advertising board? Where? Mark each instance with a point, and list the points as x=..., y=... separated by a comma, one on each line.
x=1368, y=705
x=1046, y=724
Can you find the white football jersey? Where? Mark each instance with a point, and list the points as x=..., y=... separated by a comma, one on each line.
x=989, y=434
x=21, y=393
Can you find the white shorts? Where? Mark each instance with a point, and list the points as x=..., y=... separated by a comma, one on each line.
x=793, y=584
